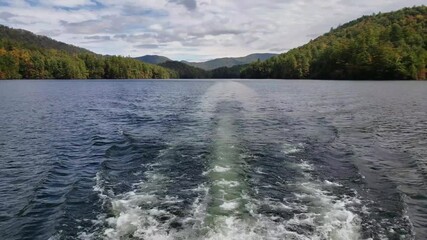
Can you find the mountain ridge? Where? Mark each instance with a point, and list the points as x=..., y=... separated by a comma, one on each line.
x=230, y=61
x=211, y=64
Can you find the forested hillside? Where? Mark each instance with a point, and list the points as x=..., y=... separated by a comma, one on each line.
x=185, y=71
x=24, y=55
x=227, y=72
x=378, y=47
x=153, y=59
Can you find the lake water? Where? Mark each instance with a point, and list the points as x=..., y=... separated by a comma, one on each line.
x=244, y=159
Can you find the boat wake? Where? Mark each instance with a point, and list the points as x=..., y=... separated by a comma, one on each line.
x=224, y=202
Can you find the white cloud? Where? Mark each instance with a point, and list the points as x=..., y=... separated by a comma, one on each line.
x=67, y=3
x=191, y=29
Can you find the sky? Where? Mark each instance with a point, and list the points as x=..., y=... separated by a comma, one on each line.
x=193, y=30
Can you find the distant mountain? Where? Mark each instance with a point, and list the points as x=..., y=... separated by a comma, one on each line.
x=230, y=62
x=153, y=59
x=216, y=68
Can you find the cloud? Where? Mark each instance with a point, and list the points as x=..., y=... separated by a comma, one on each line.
x=189, y=4
x=148, y=46
x=91, y=26
x=6, y=16
x=65, y=3
x=313, y=35
x=50, y=33
x=99, y=38
x=279, y=50
x=132, y=10
x=187, y=29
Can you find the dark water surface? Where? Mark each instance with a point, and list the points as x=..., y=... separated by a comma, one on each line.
x=258, y=159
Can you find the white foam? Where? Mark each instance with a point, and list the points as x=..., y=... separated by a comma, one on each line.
x=259, y=170
x=55, y=237
x=292, y=149
x=220, y=169
x=171, y=200
x=133, y=220
x=217, y=169
x=332, y=216
x=229, y=205
x=226, y=183
x=86, y=236
x=333, y=184
x=328, y=216
x=137, y=213
x=306, y=166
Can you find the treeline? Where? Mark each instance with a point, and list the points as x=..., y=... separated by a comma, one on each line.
x=182, y=70
x=54, y=64
x=24, y=55
x=185, y=71
x=379, y=47
x=227, y=72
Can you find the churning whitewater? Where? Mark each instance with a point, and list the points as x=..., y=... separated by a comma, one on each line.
x=213, y=159
x=229, y=200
